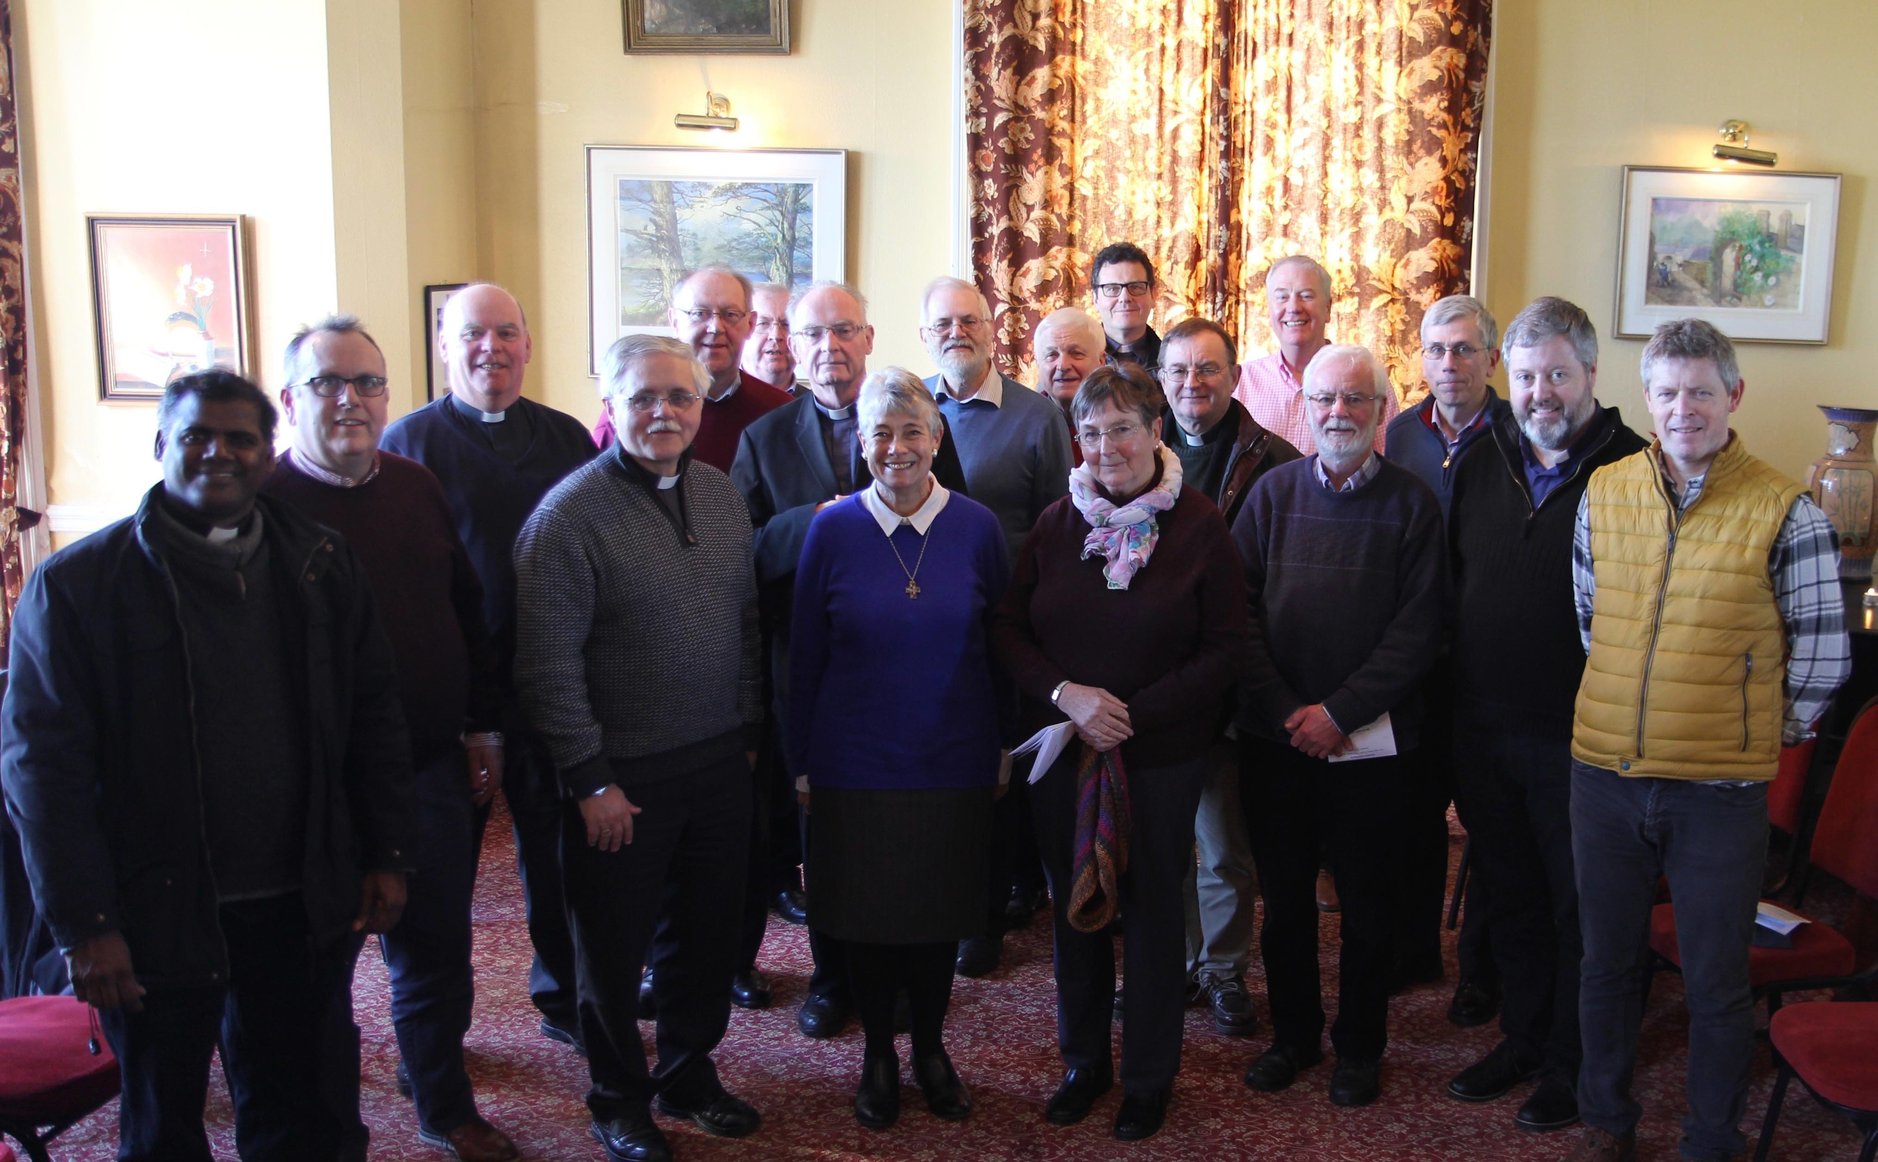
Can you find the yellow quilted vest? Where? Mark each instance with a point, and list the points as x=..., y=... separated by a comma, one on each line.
x=1686, y=674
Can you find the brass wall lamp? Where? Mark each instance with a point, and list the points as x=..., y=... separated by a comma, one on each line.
x=716, y=115
x=1733, y=146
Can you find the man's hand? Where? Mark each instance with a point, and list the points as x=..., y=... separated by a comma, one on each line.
x=485, y=772
x=1313, y=733
x=1101, y=718
x=101, y=974
x=381, y=901
x=609, y=817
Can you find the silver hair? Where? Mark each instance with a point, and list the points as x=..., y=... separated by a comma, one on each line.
x=1323, y=276
x=795, y=300
x=1456, y=308
x=1319, y=367
x=334, y=324
x=947, y=282
x=1073, y=322
x=894, y=391
x=629, y=351
x=1545, y=317
x=1692, y=339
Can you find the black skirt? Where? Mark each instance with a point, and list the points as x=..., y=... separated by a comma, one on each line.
x=899, y=866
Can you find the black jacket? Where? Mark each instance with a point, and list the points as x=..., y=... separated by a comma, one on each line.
x=100, y=760
x=1413, y=445
x=1255, y=450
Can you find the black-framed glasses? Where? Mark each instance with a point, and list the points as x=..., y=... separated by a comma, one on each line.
x=1440, y=351
x=678, y=401
x=334, y=386
x=813, y=334
x=1113, y=290
x=729, y=316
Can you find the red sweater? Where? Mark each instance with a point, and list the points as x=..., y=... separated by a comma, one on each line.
x=722, y=424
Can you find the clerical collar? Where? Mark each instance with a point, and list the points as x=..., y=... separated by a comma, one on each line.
x=832, y=413
x=671, y=481
x=1191, y=440
x=218, y=535
x=476, y=413
x=333, y=478
x=889, y=520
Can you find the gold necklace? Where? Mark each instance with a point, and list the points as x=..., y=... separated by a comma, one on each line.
x=912, y=586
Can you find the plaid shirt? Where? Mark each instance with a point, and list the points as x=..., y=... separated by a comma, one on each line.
x=1804, y=565
x=1275, y=397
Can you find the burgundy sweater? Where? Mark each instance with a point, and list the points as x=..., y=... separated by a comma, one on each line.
x=1167, y=645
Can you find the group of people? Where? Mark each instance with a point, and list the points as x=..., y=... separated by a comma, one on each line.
x=1257, y=621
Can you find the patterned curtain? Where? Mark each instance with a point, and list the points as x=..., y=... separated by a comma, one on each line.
x=1221, y=135
x=12, y=336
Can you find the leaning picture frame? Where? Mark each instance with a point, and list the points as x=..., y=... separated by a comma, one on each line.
x=430, y=316
x=773, y=215
x=169, y=296
x=1751, y=253
x=706, y=26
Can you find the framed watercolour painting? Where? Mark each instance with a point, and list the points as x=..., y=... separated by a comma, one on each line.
x=1749, y=252
x=431, y=312
x=169, y=296
x=707, y=25
x=773, y=215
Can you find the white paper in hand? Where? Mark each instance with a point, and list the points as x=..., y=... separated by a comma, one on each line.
x=1375, y=741
x=1048, y=744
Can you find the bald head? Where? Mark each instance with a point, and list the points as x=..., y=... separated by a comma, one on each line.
x=1067, y=345
x=484, y=345
x=831, y=338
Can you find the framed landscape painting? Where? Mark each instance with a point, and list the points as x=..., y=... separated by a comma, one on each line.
x=1749, y=252
x=169, y=296
x=707, y=25
x=773, y=215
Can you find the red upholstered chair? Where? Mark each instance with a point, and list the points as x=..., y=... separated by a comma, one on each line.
x=49, y=1078
x=1843, y=846
x=1786, y=799
x=1829, y=1047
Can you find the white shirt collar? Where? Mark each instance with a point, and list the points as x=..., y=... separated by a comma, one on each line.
x=889, y=520
x=990, y=388
x=717, y=396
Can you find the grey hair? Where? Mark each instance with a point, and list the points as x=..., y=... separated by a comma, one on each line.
x=1454, y=309
x=795, y=300
x=716, y=268
x=1073, y=322
x=629, y=351
x=1548, y=316
x=894, y=391
x=947, y=282
x=335, y=324
x=1323, y=276
x=766, y=288
x=1319, y=367
x=1691, y=339
x=1127, y=386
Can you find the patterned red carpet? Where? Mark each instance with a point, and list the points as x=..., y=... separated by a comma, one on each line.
x=1002, y=1038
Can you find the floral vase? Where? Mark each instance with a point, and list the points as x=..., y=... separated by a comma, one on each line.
x=1842, y=482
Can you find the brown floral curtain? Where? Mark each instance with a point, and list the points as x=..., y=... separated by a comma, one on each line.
x=1221, y=135
x=12, y=336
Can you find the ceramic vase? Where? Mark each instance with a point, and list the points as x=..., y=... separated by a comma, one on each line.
x=1842, y=482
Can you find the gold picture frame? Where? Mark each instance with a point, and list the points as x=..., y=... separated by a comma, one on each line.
x=706, y=26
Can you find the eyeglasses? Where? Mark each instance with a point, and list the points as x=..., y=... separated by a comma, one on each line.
x=643, y=402
x=1439, y=351
x=1113, y=290
x=1119, y=434
x=842, y=331
x=1178, y=372
x=947, y=326
x=334, y=386
x=1324, y=401
x=729, y=316
x=765, y=323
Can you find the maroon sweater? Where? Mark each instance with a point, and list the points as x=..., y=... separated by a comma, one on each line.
x=428, y=597
x=721, y=425
x=1167, y=645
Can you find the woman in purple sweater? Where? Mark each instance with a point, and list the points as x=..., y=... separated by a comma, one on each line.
x=1125, y=614
x=893, y=726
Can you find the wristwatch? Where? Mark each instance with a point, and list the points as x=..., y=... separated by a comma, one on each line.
x=1057, y=693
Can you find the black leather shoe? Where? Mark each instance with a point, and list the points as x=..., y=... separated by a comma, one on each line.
x=979, y=955
x=946, y=1096
x=1073, y=1099
x=1278, y=1067
x=1022, y=905
x=724, y=1116
x=750, y=990
x=1141, y=1115
x=822, y=1016
x=632, y=1139
x=1493, y=1075
x=792, y=905
x=1473, y=1005
x=1552, y=1106
x=1356, y=1081
x=877, y=1101
x=555, y=1031
x=648, y=1003
x=1231, y=1005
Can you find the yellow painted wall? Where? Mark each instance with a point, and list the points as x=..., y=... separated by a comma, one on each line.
x=440, y=183
x=1584, y=87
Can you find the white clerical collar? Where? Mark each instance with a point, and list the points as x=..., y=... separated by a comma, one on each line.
x=671, y=481
x=217, y=535
x=990, y=388
x=889, y=520
x=1189, y=439
x=833, y=413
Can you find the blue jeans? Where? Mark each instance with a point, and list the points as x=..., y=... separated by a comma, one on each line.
x=1711, y=841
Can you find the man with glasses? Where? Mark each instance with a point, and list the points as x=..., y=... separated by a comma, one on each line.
x=497, y=453
x=640, y=664
x=1345, y=564
x=1016, y=455
x=1122, y=280
x=766, y=353
x=1298, y=305
x=1222, y=452
x=392, y=512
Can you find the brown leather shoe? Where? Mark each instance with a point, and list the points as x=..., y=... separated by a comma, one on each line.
x=474, y=1141
x=1327, y=892
x=1595, y=1145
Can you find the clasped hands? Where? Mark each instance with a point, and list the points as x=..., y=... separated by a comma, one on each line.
x=1314, y=733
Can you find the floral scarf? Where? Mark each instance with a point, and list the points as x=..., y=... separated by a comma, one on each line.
x=1125, y=536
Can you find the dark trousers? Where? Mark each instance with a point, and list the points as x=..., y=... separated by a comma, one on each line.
x=775, y=849
x=878, y=973
x=289, y=1048
x=1016, y=866
x=427, y=955
x=1516, y=789
x=1711, y=841
x=1160, y=850
x=534, y=797
x=1421, y=884
x=681, y=878
x=828, y=971
x=1354, y=810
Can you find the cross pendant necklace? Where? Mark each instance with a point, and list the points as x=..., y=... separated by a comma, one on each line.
x=912, y=584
